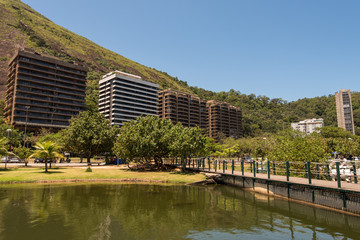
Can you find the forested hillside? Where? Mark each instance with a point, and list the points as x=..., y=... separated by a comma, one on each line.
x=21, y=26
x=264, y=115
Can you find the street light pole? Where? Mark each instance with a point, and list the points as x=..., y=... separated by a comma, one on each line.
x=26, y=120
x=8, y=134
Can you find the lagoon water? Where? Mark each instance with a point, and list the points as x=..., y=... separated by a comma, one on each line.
x=141, y=211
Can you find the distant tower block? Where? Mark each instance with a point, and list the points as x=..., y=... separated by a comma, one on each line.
x=344, y=110
x=43, y=91
x=124, y=97
x=188, y=109
x=224, y=118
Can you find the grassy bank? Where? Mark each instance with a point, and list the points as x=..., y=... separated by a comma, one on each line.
x=22, y=174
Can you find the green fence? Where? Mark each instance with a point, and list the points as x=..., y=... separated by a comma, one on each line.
x=337, y=170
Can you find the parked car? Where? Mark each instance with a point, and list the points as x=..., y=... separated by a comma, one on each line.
x=68, y=160
x=14, y=160
x=247, y=159
x=38, y=160
x=4, y=159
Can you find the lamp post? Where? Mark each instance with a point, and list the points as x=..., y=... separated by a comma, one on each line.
x=8, y=134
x=263, y=155
x=117, y=158
x=349, y=157
x=26, y=120
x=264, y=150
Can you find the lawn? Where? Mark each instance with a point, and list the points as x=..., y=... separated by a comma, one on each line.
x=30, y=174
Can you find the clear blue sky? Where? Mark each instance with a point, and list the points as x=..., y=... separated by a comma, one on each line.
x=287, y=49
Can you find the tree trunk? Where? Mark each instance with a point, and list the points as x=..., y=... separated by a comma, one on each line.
x=88, y=160
x=156, y=161
x=183, y=161
x=46, y=168
x=50, y=163
x=81, y=159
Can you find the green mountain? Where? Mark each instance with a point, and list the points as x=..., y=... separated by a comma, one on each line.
x=21, y=26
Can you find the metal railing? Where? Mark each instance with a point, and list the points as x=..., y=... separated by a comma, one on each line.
x=328, y=171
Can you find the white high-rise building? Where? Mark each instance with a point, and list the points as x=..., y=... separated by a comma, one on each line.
x=308, y=126
x=124, y=96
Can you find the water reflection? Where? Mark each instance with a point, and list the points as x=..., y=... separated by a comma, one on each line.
x=137, y=211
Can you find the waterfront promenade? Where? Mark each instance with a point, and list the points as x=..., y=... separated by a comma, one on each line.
x=293, y=180
x=222, y=167
x=315, y=188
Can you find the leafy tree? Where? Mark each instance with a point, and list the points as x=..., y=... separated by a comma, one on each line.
x=46, y=135
x=211, y=146
x=261, y=146
x=299, y=149
x=14, y=136
x=151, y=138
x=47, y=151
x=89, y=134
x=347, y=146
x=334, y=132
x=4, y=147
x=188, y=142
x=23, y=153
x=145, y=139
x=243, y=147
x=92, y=90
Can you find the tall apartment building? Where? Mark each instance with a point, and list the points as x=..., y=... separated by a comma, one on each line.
x=344, y=110
x=124, y=97
x=191, y=111
x=224, y=118
x=42, y=91
x=308, y=126
x=188, y=109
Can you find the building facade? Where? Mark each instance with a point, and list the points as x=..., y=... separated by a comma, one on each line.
x=308, y=126
x=42, y=91
x=344, y=110
x=191, y=111
x=124, y=97
x=188, y=109
x=224, y=118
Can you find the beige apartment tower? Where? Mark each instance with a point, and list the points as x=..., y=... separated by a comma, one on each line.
x=188, y=109
x=224, y=118
x=344, y=110
x=43, y=91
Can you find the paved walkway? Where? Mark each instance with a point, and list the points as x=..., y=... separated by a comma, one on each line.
x=64, y=164
x=296, y=180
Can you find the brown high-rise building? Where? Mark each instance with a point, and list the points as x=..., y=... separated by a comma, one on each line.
x=185, y=108
x=344, y=110
x=43, y=92
x=224, y=118
x=191, y=111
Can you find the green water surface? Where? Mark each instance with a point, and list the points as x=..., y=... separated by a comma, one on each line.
x=140, y=211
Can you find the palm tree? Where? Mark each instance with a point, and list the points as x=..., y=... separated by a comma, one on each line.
x=3, y=148
x=46, y=150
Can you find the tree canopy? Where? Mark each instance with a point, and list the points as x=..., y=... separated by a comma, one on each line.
x=89, y=134
x=150, y=137
x=47, y=151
